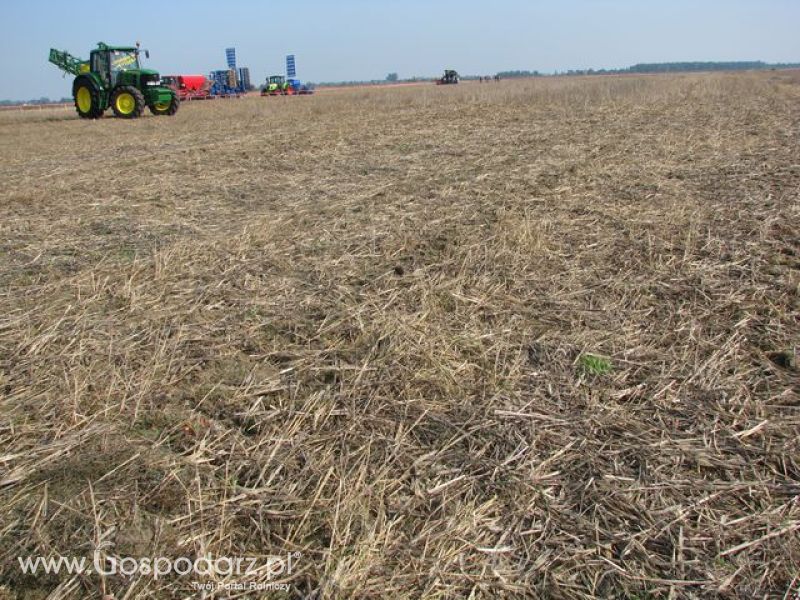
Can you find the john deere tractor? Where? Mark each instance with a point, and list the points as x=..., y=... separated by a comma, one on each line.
x=113, y=77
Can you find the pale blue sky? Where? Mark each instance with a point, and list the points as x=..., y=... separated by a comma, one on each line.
x=366, y=39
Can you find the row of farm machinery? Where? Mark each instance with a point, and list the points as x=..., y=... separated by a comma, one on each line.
x=114, y=78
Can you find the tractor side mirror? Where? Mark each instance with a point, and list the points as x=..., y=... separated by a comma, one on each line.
x=147, y=53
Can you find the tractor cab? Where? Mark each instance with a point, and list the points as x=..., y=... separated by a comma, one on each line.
x=278, y=82
x=119, y=65
x=109, y=62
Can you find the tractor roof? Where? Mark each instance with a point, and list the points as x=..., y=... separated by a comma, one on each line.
x=103, y=46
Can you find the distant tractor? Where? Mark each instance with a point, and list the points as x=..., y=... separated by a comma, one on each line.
x=278, y=85
x=275, y=86
x=113, y=77
x=449, y=77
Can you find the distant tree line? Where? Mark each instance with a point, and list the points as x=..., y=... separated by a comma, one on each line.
x=512, y=74
x=685, y=67
x=669, y=67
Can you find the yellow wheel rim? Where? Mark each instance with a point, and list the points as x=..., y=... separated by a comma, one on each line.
x=162, y=106
x=126, y=103
x=84, y=99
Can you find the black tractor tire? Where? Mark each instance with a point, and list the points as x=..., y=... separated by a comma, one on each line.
x=83, y=90
x=127, y=102
x=170, y=110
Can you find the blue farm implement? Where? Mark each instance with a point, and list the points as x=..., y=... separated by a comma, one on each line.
x=231, y=82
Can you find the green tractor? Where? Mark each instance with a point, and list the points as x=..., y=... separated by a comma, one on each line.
x=113, y=77
x=276, y=86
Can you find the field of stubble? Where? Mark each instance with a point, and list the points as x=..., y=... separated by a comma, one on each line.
x=532, y=339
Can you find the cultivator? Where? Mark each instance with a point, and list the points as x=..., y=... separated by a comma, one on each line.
x=189, y=87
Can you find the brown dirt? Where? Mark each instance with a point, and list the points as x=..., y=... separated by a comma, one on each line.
x=355, y=326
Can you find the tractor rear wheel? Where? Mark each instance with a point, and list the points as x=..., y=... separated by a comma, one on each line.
x=127, y=102
x=165, y=108
x=87, y=99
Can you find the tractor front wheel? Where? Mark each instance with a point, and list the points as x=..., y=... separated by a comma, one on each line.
x=127, y=102
x=165, y=108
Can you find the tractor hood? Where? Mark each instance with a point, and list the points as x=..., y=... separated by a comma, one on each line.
x=139, y=78
x=143, y=75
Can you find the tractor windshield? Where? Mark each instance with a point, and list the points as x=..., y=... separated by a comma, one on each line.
x=123, y=60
